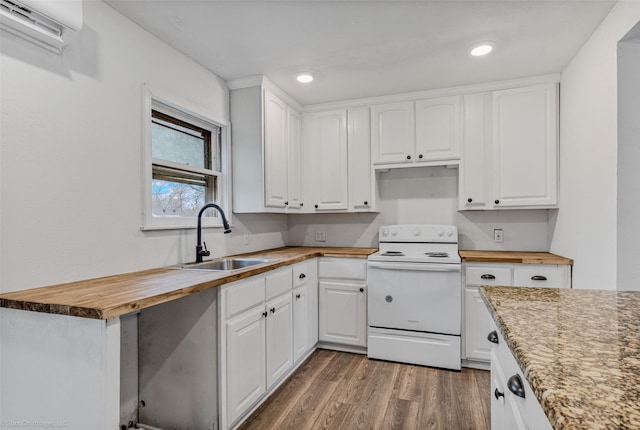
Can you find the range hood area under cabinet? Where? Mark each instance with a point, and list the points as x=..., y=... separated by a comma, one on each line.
x=290, y=159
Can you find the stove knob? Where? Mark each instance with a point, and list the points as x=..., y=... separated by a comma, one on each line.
x=439, y=232
x=385, y=231
x=394, y=232
x=417, y=232
x=449, y=233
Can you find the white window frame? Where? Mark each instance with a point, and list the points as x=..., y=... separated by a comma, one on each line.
x=154, y=99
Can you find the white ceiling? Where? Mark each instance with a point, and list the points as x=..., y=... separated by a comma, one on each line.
x=368, y=48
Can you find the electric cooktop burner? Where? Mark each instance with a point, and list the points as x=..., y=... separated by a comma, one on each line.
x=437, y=254
x=393, y=254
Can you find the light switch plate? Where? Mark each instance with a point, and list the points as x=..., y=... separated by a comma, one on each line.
x=498, y=235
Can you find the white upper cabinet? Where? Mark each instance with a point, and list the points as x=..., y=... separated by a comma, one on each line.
x=266, y=152
x=294, y=188
x=438, y=128
x=510, y=149
x=410, y=133
x=276, y=153
x=327, y=176
x=361, y=181
x=392, y=133
x=525, y=147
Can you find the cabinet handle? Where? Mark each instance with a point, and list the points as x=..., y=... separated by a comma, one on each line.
x=302, y=276
x=498, y=394
x=469, y=199
x=516, y=386
x=273, y=310
x=366, y=203
x=493, y=337
x=286, y=203
x=408, y=157
x=297, y=296
x=487, y=276
x=264, y=314
x=496, y=201
x=362, y=290
x=316, y=206
x=538, y=278
x=301, y=204
x=420, y=156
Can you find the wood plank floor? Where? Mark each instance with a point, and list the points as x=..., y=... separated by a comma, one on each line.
x=338, y=390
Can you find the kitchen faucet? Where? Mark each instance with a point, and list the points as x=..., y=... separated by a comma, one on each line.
x=205, y=252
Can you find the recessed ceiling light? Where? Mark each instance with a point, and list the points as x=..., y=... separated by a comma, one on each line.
x=304, y=77
x=481, y=49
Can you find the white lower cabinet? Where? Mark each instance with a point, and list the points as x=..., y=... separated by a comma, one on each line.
x=477, y=348
x=245, y=361
x=267, y=327
x=514, y=406
x=342, y=301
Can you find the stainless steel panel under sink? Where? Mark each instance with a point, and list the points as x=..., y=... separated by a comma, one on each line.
x=226, y=264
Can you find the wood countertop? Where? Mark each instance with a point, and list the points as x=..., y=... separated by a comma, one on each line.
x=116, y=295
x=578, y=349
x=513, y=257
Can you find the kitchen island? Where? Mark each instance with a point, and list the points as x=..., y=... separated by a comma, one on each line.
x=579, y=351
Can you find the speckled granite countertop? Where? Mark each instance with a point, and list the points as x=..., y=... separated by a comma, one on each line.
x=578, y=349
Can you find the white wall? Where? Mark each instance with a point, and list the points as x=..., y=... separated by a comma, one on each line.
x=585, y=226
x=70, y=156
x=426, y=195
x=629, y=161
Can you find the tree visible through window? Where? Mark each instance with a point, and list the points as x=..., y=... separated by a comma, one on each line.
x=185, y=164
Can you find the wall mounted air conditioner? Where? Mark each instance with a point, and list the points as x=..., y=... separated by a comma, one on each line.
x=50, y=24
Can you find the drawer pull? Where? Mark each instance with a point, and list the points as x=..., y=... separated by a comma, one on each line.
x=493, y=337
x=516, y=386
x=297, y=296
x=487, y=276
x=538, y=278
x=302, y=276
x=498, y=394
x=273, y=310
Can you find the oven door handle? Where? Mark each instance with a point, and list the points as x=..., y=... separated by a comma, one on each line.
x=425, y=267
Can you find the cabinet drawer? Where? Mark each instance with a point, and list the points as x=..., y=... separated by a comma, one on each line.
x=541, y=276
x=278, y=283
x=244, y=295
x=343, y=268
x=301, y=274
x=488, y=275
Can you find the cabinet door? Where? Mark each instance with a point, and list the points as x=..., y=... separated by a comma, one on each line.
x=328, y=164
x=300, y=322
x=294, y=200
x=343, y=316
x=361, y=198
x=392, y=133
x=525, y=147
x=279, y=338
x=275, y=151
x=438, y=128
x=475, y=167
x=245, y=358
x=477, y=325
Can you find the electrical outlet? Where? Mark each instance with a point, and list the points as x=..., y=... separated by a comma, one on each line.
x=245, y=239
x=498, y=235
x=321, y=236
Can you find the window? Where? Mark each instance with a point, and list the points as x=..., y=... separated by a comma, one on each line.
x=184, y=165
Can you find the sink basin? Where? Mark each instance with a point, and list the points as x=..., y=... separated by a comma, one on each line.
x=225, y=264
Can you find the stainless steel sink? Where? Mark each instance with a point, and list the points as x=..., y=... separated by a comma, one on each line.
x=225, y=264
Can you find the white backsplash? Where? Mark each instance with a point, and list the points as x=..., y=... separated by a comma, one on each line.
x=426, y=195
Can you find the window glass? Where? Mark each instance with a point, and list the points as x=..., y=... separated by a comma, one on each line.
x=180, y=142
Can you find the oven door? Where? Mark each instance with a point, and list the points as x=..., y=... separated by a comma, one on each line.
x=422, y=297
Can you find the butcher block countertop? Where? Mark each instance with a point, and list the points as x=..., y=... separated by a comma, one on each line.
x=578, y=349
x=112, y=296
x=513, y=257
